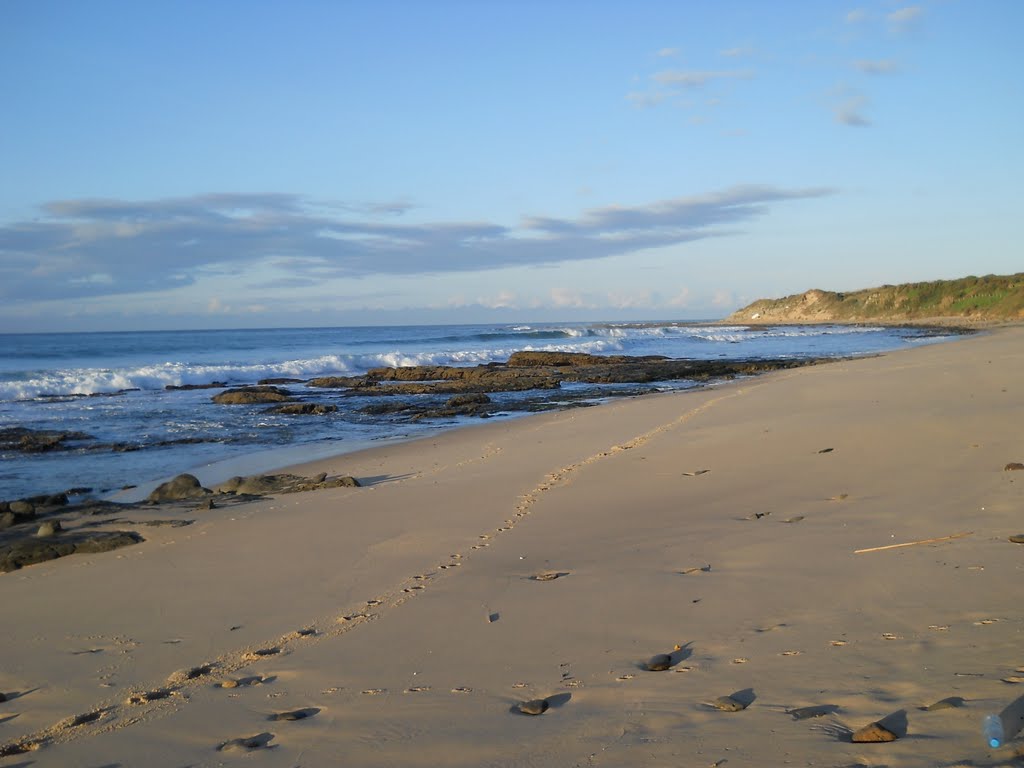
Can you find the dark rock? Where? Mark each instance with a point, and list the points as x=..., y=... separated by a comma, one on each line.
x=252, y=395
x=22, y=508
x=1012, y=466
x=265, y=485
x=7, y=519
x=460, y=401
x=29, y=551
x=340, y=382
x=181, y=387
x=77, y=491
x=182, y=487
x=49, y=528
x=303, y=409
x=279, y=381
x=38, y=441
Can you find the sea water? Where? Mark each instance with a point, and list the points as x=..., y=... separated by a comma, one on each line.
x=113, y=387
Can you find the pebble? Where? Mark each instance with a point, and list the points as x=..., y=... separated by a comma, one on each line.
x=873, y=733
x=728, y=704
x=534, y=707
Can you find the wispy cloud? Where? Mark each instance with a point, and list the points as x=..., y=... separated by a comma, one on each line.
x=666, y=53
x=905, y=19
x=849, y=108
x=878, y=67
x=697, y=78
x=95, y=248
x=856, y=16
x=737, y=51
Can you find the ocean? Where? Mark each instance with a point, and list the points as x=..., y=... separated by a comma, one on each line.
x=112, y=388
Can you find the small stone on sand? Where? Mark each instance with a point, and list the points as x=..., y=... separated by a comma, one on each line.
x=727, y=704
x=659, y=662
x=873, y=733
x=950, y=702
x=229, y=683
x=534, y=707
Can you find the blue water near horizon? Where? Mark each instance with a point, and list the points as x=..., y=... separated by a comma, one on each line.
x=113, y=385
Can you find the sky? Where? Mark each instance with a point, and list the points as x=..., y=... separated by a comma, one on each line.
x=236, y=163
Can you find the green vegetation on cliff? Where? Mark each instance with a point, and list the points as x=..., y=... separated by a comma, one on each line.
x=992, y=298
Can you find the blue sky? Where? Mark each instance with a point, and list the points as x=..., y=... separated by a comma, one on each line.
x=234, y=164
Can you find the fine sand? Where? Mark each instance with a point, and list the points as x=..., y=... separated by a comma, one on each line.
x=539, y=565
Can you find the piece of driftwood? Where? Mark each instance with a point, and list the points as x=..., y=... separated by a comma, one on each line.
x=913, y=543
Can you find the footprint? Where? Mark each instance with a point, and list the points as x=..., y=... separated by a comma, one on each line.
x=417, y=689
x=84, y=719
x=838, y=497
x=306, y=632
x=818, y=710
x=891, y=636
x=548, y=575
x=261, y=653
x=143, y=698
x=374, y=691
x=740, y=660
x=462, y=690
x=793, y=519
x=519, y=685
x=696, y=473
x=837, y=643
x=790, y=653
x=374, y=602
x=248, y=743
x=1013, y=679
x=295, y=714
x=191, y=674
x=18, y=748
x=939, y=627
x=625, y=677
x=353, y=617
x=983, y=622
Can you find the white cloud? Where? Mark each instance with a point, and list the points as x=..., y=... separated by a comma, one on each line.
x=856, y=16
x=697, y=78
x=738, y=51
x=905, y=19
x=667, y=53
x=280, y=243
x=877, y=67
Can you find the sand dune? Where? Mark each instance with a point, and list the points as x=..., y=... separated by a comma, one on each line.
x=549, y=560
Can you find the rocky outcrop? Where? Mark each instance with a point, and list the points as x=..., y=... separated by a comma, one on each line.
x=252, y=396
x=38, y=440
x=182, y=487
x=268, y=485
x=29, y=551
x=303, y=409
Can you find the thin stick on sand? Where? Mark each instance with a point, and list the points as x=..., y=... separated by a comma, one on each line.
x=913, y=543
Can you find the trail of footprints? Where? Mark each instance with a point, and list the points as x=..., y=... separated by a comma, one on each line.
x=113, y=716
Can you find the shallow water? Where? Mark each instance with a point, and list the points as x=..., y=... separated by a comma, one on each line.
x=113, y=386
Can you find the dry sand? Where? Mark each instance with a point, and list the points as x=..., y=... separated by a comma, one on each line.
x=718, y=527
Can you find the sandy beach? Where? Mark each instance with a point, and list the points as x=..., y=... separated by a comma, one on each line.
x=401, y=623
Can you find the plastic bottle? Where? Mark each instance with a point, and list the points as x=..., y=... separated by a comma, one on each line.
x=992, y=730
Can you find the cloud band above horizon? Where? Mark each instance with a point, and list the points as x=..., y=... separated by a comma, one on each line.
x=91, y=248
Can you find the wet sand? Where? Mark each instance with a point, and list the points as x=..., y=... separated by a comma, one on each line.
x=545, y=565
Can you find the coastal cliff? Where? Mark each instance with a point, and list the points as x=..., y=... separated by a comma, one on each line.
x=970, y=300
